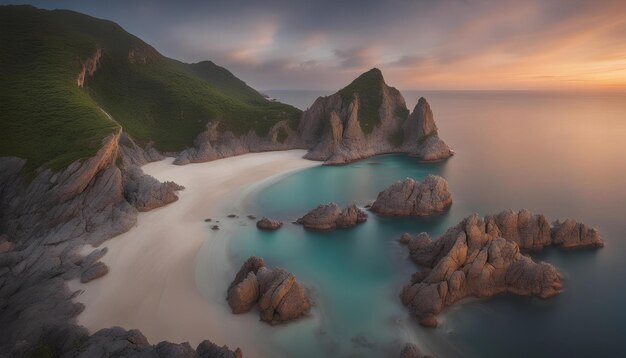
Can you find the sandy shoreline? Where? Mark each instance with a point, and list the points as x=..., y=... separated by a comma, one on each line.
x=150, y=285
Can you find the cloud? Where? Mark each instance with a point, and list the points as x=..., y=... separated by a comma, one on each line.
x=445, y=44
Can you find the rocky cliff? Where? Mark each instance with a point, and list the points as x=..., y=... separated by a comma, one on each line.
x=368, y=118
x=480, y=257
x=214, y=143
x=47, y=216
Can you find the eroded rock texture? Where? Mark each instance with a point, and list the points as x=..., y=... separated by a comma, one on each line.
x=331, y=216
x=279, y=296
x=480, y=257
x=410, y=197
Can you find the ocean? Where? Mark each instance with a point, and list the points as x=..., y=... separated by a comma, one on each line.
x=556, y=153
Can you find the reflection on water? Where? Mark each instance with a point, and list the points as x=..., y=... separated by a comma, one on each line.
x=558, y=154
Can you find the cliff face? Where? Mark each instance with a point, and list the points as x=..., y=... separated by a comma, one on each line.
x=214, y=143
x=367, y=118
x=49, y=217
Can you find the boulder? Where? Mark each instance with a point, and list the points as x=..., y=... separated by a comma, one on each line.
x=410, y=350
x=330, y=217
x=410, y=197
x=279, y=296
x=405, y=238
x=268, y=224
x=5, y=244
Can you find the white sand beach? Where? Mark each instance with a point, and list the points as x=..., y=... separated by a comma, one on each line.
x=151, y=283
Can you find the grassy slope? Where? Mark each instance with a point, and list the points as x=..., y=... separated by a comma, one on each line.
x=49, y=120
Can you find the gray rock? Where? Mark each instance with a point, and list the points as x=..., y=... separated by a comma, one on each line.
x=269, y=224
x=330, y=216
x=208, y=349
x=94, y=271
x=410, y=350
x=145, y=193
x=410, y=197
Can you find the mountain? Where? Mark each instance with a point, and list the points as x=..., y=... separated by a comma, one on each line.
x=367, y=118
x=70, y=80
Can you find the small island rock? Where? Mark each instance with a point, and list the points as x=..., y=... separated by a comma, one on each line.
x=330, y=216
x=269, y=224
x=410, y=197
x=480, y=257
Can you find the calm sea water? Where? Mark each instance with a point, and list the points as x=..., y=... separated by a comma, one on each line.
x=553, y=153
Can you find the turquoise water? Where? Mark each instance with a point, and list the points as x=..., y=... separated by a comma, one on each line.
x=558, y=154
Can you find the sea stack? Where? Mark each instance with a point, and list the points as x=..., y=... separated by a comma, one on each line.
x=367, y=118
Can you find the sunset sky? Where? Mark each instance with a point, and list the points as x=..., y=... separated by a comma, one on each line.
x=418, y=44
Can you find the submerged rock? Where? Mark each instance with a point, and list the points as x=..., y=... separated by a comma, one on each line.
x=410, y=197
x=481, y=258
x=330, y=216
x=269, y=224
x=279, y=296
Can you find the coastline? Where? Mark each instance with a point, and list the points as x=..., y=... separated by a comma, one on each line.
x=151, y=284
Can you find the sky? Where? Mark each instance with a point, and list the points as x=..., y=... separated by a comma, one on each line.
x=418, y=44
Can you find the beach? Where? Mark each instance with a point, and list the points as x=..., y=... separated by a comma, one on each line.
x=151, y=284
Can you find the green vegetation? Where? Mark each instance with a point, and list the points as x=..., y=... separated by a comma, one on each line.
x=402, y=112
x=282, y=135
x=397, y=139
x=423, y=138
x=49, y=120
x=368, y=88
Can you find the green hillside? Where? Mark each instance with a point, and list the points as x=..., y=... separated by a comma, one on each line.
x=51, y=121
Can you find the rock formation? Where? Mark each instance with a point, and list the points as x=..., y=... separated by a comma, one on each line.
x=279, y=296
x=410, y=350
x=215, y=144
x=478, y=258
x=145, y=193
x=73, y=341
x=268, y=224
x=49, y=215
x=330, y=216
x=410, y=197
x=366, y=118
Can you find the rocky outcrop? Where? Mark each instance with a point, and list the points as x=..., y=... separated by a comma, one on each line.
x=269, y=224
x=216, y=144
x=533, y=232
x=410, y=197
x=145, y=193
x=72, y=341
x=367, y=118
x=88, y=67
x=330, y=217
x=279, y=296
x=478, y=258
x=422, y=134
x=410, y=350
x=50, y=215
